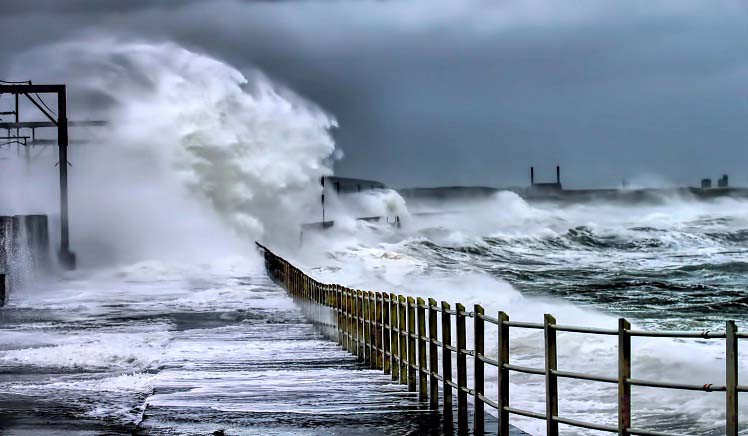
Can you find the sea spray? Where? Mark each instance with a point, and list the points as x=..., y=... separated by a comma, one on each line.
x=190, y=139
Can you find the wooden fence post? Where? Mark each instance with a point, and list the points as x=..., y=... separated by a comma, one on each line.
x=446, y=358
x=433, y=357
x=401, y=309
x=478, y=409
x=503, y=376
x=462, y=396
x=624, y=373
x=731, y=379
x=423, y=388
x=551, y=380
x=395, y=337
x=378, y=329
x=411, y=344
x=386, y=333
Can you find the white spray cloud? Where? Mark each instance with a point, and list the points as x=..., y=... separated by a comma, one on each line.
x=186, y=131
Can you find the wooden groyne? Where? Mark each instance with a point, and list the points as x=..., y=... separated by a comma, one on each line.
x=412, y=339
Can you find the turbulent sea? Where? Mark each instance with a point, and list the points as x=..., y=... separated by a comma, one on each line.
x=672, y=264
x=223, y=157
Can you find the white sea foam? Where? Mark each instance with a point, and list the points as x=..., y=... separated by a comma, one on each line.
x=382, y=259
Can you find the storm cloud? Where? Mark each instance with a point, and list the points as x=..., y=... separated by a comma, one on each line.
x=469, y=92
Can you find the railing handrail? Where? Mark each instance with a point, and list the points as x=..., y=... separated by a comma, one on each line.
x=388, y=331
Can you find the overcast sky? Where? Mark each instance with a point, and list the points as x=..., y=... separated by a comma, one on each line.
x=471, y=92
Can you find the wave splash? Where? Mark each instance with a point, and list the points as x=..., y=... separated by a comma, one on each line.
x=186, y=131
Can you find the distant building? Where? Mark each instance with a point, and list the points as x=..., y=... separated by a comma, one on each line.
x=706, y=183
x=722, y=182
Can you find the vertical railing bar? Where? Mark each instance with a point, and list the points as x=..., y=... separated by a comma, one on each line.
x=433, y=357
x=478, y=406
x=360, y=322
x=386, y=332
x=731, y=379
x=378, y=329
x=367, y=327
x=551, y=381
x=462, y=399
x=503, y=374
x=624, y=374
x=446, y=319
x=395, y=337
x=403, y=339
x=410, y=302
x=423, y=389
x=339, y=303
x=372, y=330
x=352, y=324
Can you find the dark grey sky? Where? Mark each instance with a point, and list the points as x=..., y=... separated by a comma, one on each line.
x=472, y=92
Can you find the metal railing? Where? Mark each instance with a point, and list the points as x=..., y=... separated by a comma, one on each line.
x=393, y=332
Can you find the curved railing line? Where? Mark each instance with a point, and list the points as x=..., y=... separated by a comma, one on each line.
x=393, y=332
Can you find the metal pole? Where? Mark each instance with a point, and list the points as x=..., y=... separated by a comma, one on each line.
x=731, y=380
x=411, y=344
x=503, y=376
x=361, y=324
x=367, y=327
x=67, y=258
x=394, y=338
x=433, y=357
x=462, y=400
x=551, y=382
x=386, y=334
x=624, y=374
x=378, y=329
x=423, y=388
x=446, y=358
x=401, y=309
x=478, y=412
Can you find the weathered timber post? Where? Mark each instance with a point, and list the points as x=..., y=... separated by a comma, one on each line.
x=395, y=337
x=446, y=358
x=423, y=389
x=378, y=329
x=731, y=379
x=462, y=396
x=411, y=344
x=478, y=412
x=624, y=374
x=367, y=327
x=503, y=376
x=551, y=380
x=386, y=333
x=403, y=330
x=433, y=357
